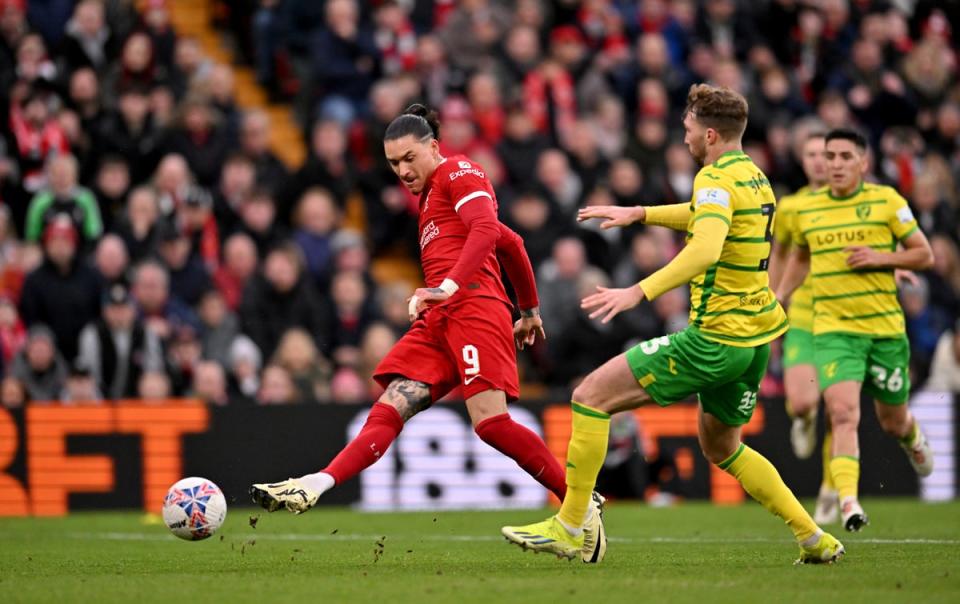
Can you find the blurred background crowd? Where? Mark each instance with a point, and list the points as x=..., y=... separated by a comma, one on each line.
x=153, y=243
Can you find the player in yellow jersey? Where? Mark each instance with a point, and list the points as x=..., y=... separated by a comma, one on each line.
x=847, y=236
x=721, y=356
x=799, y=370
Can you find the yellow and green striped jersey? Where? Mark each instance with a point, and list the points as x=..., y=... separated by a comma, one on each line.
x=862, y=302
x=800, y=312
x=731, y=301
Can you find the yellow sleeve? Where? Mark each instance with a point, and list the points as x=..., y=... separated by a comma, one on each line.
x=675, y=216
x=901, y=219
x=703, y=249
x=784, y=223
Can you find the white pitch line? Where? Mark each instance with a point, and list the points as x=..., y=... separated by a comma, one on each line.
x=264, y=536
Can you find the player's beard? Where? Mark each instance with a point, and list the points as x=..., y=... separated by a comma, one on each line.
x=698, y=149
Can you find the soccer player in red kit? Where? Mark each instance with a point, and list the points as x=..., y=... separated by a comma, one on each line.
x=462, y=333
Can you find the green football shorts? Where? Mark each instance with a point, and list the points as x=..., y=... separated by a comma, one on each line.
x=882, y=364
x=798, y=348
x=726, y=378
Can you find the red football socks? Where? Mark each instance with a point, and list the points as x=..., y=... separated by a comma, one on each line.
x=381, y=428
x=526, y=448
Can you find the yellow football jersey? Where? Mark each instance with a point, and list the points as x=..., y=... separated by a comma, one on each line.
x=862, y=302
x=800, y=312
x=731, y=302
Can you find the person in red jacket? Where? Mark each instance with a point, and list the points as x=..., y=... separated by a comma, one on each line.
x=461, y=334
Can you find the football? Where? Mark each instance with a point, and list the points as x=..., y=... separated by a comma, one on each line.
x=194, y=508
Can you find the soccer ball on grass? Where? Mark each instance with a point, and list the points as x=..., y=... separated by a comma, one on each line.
x=194, y=508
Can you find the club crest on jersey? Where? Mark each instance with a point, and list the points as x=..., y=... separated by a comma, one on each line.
x=429, y=233
x=863, y=211
x=464, y=165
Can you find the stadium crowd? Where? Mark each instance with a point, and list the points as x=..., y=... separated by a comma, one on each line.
x=153, y=245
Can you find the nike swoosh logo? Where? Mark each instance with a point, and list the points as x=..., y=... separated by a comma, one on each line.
x=816, y=219
x=468, y=381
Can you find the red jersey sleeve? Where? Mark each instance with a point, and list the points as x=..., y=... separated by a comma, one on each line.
x=515, y=261
x=482, y=233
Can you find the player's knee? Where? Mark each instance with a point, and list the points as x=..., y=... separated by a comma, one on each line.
x=713, y=453
x=587, y=393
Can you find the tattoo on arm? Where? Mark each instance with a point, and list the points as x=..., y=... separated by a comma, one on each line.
x=530, y=312
x=408, y=397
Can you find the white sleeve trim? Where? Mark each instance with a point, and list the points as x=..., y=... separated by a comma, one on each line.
x=469, y=197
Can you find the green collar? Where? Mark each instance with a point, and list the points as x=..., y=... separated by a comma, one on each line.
x=846, y=197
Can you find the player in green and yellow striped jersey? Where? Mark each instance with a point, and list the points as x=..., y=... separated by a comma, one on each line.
x=799, y=370
x=723, y=353
x=847, y=236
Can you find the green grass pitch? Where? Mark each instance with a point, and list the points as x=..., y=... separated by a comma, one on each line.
x=689, y=553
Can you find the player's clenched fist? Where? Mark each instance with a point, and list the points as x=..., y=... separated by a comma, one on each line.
x=610, y=302
x=614, y=216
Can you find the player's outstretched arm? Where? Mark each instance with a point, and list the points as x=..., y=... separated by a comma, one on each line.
x=798, y=266
x=702, y=250
x=613, y=216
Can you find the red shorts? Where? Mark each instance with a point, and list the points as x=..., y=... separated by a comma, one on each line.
x=469, y=344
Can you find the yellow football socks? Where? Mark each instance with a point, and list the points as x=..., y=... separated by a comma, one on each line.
x=845, y=471
x=827, y=455
x=585, y=455
x=759, y=478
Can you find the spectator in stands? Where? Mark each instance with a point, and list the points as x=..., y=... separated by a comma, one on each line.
x=353, y=312
x=534, y=218
x=131, y=132
x=13, y=28
x=271, y=173
x=280, y=298
x=83, y=95
x=188, y=276
x=201, y=139
x=63, y=293
x=239, y=265
x=348, y=388
x=13, y=334
x=154, y=386
x=64, y=197
x=111, y=187
x=308, y=368
x=79, y=386
x=156, y=23
x=111, y=261
x=117, y=348
x=559, y=183
x=277, y=387
x=137, y=67
x=378, y=339
x=162, y=313
x=172, y=180
x=221, y=90
x=87, y=41
x=925, y=324
x=393, y=307
x=473, y=30
x=199, y=225
x=244, y=368
x=219, y=327
x=315, y=220
x=139, y=226
x=36, y=135
x=327, y=166
x=210, y=384
x=39, y=367
x=190, y=66
x=945, y=368
x=258, y=220
x=13, y=394
x=350, y=63
x=557, y=282
x=237, y=181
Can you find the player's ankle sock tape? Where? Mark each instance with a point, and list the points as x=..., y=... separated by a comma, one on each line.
x=759, y=478
x=585, y=455
x=912, y=436
x=526, y=448
x=846, y=474
x=826, y=453
x=381, y=428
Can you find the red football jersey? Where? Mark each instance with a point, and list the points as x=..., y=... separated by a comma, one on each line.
x=456, y=182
